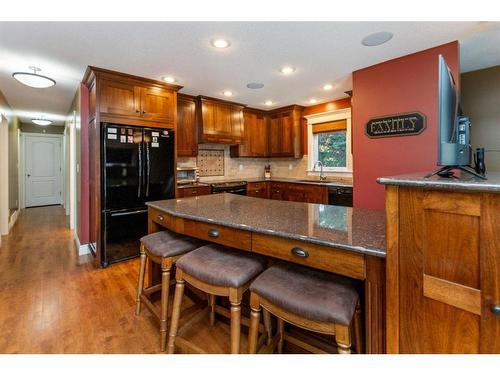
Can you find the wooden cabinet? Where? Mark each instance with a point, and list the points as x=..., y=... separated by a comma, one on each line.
x=158, y=104
x=285, y=132
x=187, y=137
x=307, y=193
x=192, y=191
x=443, y=271
x=258, y=189
x=278, y=190
x=219, y=121
x=255, y=135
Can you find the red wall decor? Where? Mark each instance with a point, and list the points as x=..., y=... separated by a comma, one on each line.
x=405, y=84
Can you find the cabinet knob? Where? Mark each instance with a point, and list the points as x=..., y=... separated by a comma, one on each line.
x=299, y=252
x=143, y=112
x=160, y=217
x=137, y=111
x=214, y=233
x=495, y=309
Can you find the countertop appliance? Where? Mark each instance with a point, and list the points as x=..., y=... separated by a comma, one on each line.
x=340, y=196
x=187, y=175
x=234, y=187
x=137, y=166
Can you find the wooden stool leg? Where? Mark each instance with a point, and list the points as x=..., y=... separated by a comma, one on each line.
x=176, y=312
x=235, y=326
x=253, y=331
x=358, y=330
x=267, y=325
x=140, y=284
x=211, y=302
x=165, y=288
x=281, y=335
x=343, y=339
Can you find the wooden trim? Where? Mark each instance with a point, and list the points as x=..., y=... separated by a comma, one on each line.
x=460, y=296
x=212, y=99
x=329, y=126
x=457, y=203
x=392, y=269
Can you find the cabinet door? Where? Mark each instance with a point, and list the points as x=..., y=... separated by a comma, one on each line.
x=275, y=135
x=237, y=126
x=187, y=144
x=158, y=104
x=208, y=117
x=259, y=137
x=278, y=191
x=223, y=123
x=297, y=193
x=118, y=98
x=287, y=134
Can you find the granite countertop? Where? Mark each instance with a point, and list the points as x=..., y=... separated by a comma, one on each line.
x=354, y=229
x=463, y=181
x=192, y=184
x=284, y=179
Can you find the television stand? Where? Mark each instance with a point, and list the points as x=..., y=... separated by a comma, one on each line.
x=447, y=172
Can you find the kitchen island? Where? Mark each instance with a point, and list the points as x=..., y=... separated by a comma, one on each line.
x=343, y=240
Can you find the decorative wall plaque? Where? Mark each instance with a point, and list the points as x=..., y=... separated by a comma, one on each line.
x=210, y=162
x=411, y=123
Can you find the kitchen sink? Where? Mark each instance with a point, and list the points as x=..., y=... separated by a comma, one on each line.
x=317, y=181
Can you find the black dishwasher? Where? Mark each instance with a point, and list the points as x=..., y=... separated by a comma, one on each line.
x=340, y=196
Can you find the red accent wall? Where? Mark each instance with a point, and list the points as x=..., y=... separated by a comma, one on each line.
x=83, y=229
x=405, y=84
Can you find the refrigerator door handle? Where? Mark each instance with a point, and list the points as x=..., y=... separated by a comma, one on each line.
x=129, y=213
x=148, y=170
x=140, y=171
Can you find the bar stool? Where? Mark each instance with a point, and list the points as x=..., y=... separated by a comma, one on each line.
x=311, y=299
x=218, y=271
x=163, y=248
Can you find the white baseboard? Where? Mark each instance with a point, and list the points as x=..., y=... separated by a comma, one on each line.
x=82, y=249
x=13, y=219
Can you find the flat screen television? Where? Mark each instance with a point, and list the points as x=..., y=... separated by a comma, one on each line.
x=454, y=150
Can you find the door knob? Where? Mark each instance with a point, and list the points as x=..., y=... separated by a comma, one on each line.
x=495, y=309
x=29, y=175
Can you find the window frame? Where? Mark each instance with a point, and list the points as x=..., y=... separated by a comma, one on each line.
x=342, y=114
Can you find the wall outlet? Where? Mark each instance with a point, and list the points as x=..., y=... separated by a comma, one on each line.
x=290, y=167
x=241, y=167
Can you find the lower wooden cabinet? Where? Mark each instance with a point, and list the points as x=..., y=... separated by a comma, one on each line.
x=288, y=191
x=443, y=271
x=192, y=191
x=258, y=189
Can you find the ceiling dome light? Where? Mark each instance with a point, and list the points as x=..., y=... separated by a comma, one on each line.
x=169, y=79
x=34, y=79
x=376, y=39
x=287, y=70
x=328, y=86
x=269, y=103
x=220, y=43
x=313, y=101
x=255, y=85
x=41, y=121
x=227, y=93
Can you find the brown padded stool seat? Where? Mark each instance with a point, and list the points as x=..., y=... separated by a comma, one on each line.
x=169, y=244
x=312, y=294
x=222, y=266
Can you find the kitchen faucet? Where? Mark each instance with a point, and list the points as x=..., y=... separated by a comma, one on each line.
x=322, y=177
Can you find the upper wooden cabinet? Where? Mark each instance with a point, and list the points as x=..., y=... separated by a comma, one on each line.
x=219, y=121
x=126, y=99
x=187, y=142
x=285, y=132
x=255, y=135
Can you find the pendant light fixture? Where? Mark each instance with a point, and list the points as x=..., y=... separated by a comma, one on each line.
x=41, y=121
x=34, y=79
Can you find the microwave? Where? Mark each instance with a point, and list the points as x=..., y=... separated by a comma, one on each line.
x=187, y=175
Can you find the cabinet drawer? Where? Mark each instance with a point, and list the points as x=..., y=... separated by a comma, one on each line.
x=194, y=191
x=326, y=258
x=159, y=217
x=222, y=235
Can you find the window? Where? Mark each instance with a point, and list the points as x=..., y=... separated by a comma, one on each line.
x=330, y=142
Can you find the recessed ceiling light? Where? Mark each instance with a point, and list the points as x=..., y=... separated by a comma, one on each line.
x=34, y=79
x=376, y=39
x=169, y=79
x=269, y=103
x=255, y=85
x=220, y=43
x=313, y=101
x=41, y=121
x=227, y=93
x=287, y=70
x=328, y=86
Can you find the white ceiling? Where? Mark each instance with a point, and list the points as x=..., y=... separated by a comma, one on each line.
x=321, y=52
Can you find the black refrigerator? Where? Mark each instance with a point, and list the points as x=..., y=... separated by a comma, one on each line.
x=137, y=167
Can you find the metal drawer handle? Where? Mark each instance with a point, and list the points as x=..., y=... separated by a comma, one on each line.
x=495, y=309
x=300, y=252
x=160, y=217
x=214, y=233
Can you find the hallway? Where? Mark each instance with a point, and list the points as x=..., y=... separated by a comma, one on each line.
x=52, y=301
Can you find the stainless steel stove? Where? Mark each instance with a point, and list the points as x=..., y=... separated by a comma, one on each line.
x=234, y=187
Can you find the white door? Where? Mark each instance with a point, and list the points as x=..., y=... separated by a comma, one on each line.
x=43, y=170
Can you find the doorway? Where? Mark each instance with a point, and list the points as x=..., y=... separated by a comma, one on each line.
x=42, y=169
